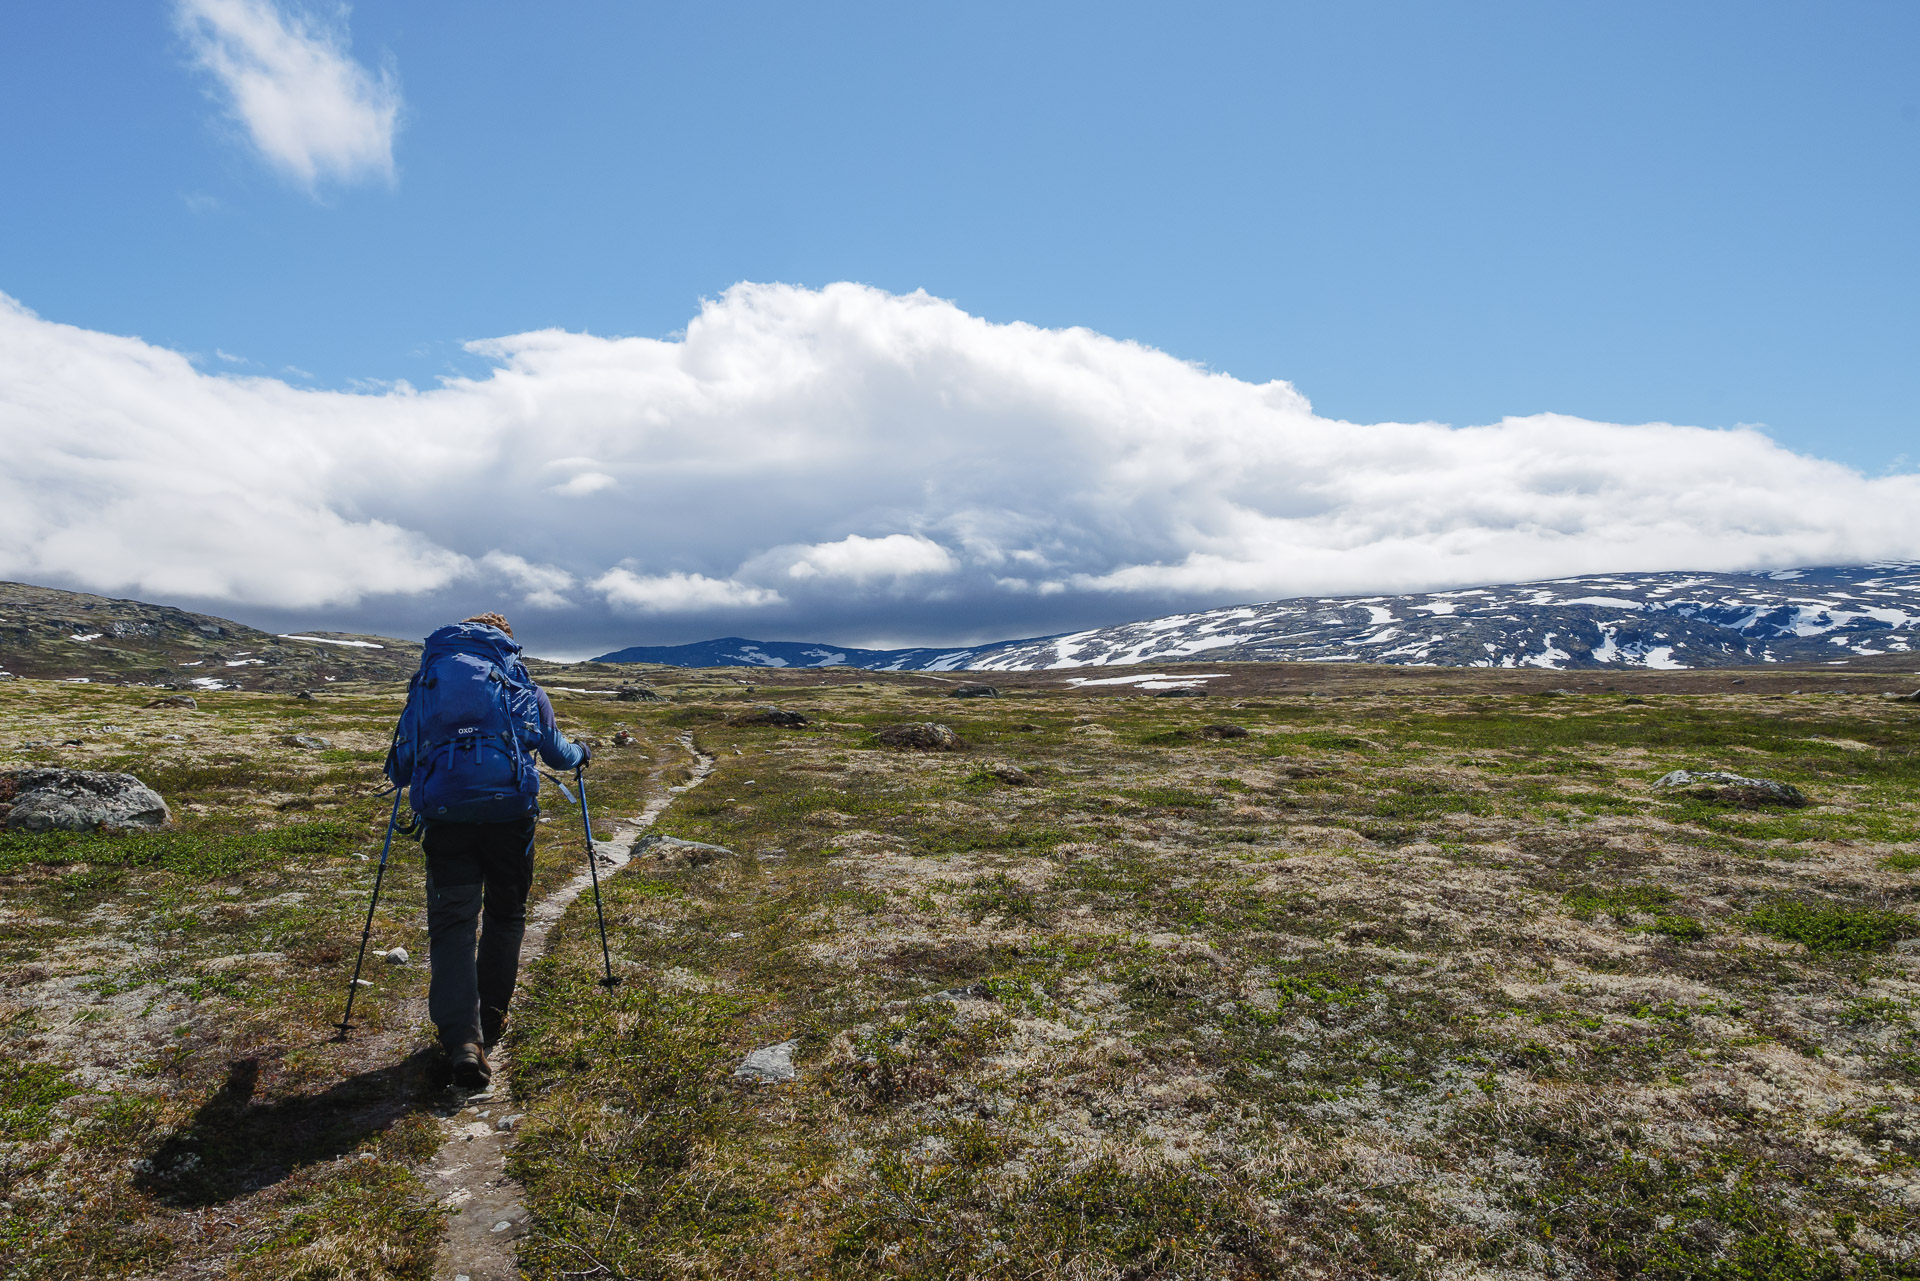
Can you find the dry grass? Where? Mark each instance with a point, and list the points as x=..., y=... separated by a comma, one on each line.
x=1423, y=982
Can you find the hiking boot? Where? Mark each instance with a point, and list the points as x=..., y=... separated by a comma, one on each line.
x=493, y=1026
x=470, y=1067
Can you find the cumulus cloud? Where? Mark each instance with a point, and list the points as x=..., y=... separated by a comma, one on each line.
x=863, y=560
x=288, y=79
x=679, y=593
x=853, y=465
x=541, y=586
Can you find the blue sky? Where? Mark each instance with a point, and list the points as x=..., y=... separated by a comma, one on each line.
x=1700, y=215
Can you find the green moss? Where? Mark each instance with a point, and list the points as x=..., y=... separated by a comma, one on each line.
x=199, y=854
x=1831, y=927
x=1617, y=900
x=28, y=1094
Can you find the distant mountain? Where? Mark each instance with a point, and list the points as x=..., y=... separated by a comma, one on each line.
x=1664, y=620
x=735, y=651
x=51, y=634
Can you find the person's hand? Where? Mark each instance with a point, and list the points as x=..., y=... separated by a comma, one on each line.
x=586, y=755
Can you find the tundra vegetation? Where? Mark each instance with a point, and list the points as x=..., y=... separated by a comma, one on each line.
x=1419, y=976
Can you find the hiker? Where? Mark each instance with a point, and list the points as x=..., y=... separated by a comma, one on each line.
x=464, y=751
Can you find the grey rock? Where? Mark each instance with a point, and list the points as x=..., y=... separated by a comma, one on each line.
x=1012, y=775
x=770, y=716
x=312, y=742
x=395, y=956
x=973, y=691
x=175, y=700
x=305, y=696
x=1910, y=698
x=1223, y=731
x=769, y=1063
x=636, y=694
x=1720, y=785
x=693, y=853
x=1179, y=693
x=75, y=800
x=921, y=736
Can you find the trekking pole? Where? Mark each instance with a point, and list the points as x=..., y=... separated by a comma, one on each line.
x=346, y=1020
x=593, y=865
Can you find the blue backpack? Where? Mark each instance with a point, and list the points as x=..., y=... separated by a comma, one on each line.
x=469, y=729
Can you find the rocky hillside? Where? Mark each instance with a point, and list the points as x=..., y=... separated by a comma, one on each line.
x=50, y=634
x=1607, y=621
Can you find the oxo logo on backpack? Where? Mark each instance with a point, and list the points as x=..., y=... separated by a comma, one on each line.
x=472, y=719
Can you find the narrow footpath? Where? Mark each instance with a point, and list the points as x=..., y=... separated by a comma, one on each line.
x=469, y=1171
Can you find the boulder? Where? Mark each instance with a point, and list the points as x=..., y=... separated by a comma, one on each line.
x=1910, y=698
x=920, y=736
x=1718, y=785
x=78, y=800
x=636, y=694
x=305, y=696
x=973, y=691
x=769, y=1063
x=312, y=742
x=621, y=738
x=175, y=700
x=1012, y=775
x=1223, y=731
x=1179, y=693
x=692, y=853
x=770, y=716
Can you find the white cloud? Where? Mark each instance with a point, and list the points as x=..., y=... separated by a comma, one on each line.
x=844, y=461
x=587, y=482
x=862, y=560
x=678, y=593
x=541, y=586
x=287, y=76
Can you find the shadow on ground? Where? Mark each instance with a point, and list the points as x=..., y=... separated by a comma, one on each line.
x=235, y=1146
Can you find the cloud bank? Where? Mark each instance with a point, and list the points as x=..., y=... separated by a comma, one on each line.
x=288, y=79
x=853, y=465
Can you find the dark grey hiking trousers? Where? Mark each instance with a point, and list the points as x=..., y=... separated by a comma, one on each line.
x=478, y=875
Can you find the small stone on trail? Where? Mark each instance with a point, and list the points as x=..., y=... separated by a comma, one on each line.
x=506, y=1123
x=921, y=736
x=973, y=691
x=769, y=1063
x=363, y=982
x=175, y=700
x=311, y=741
x=1720, y=785
x=395, y=956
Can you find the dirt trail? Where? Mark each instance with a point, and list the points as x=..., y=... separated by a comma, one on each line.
x=469, y=1171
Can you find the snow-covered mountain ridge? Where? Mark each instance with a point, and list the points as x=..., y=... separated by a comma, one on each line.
x=1654, y=620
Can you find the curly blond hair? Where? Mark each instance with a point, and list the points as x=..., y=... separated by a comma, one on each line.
x=491, y=620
